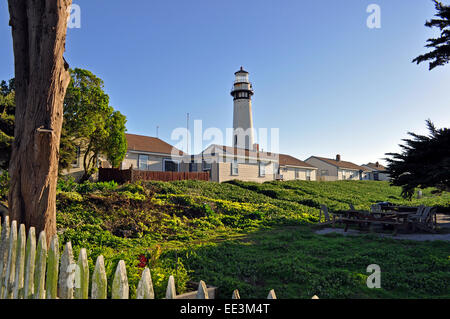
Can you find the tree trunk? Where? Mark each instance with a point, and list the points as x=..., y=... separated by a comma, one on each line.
x=39, y=33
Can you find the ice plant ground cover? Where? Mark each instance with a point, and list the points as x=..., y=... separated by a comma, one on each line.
x=248, y=236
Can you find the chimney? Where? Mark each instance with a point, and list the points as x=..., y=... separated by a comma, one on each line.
x=338, y=158
x=377, y=164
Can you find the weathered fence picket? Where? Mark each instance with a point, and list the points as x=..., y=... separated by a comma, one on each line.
x=82, y=276
x=99, y=280
x=67, y=273
x=4, y=246
x=145, y=286
x=171, y=291
x=272, y=295
x=120, y=289
x=40, y=273
x=202, y=292
x=52, y=269
x=11, y=264
x=20, y=264
x=30, y=258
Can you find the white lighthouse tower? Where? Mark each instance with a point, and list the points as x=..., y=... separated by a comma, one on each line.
x=242, y=119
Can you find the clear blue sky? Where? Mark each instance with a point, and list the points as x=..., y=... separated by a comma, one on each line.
x=329, y=83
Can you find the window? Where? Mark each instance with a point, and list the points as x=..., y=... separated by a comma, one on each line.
x=297, y=173
x=206, y=166
x=308, y=175
x=193, y=167
x=170, y=166
x=234, y=168
x=262, y=169
x=143, y=162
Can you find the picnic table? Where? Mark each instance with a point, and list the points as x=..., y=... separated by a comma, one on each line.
x=405, y=217
x=367, y=218
x=399, y=208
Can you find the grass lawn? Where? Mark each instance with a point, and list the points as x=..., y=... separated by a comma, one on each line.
x=248, y=236
x=299, y=264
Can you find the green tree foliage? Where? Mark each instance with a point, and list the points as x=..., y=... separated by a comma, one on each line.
x=91, y=127
x=441, y=53
x=424, y=162
x=90, y=124
x=116, y=146
x=7, y=110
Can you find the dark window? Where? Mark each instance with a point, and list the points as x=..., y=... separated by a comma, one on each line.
x=170, y=166
x=193, y=167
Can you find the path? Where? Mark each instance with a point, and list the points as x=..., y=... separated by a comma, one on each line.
x=416, y=237
x=443, y=221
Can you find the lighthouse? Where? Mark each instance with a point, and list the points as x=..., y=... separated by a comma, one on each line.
x=242, y=117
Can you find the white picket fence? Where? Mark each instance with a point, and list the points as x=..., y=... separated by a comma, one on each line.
x=27, y=272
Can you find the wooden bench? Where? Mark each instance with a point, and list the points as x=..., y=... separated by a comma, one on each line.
x=370, y=221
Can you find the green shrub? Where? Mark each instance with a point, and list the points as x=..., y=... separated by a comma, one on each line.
x=89, y=187
x=135, y=188
x=4, y=185
x=133, y=196
x=70, y=196
x=66, y=184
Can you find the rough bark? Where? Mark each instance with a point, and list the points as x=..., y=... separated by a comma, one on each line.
x=39, y=33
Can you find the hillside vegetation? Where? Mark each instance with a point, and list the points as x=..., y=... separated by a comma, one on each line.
x=248, y=236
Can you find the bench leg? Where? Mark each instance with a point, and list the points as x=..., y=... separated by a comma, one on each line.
x=346, y=227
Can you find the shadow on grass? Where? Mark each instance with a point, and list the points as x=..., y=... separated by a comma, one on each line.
x=299, y=264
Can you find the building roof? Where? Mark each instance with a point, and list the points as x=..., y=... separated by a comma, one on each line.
x=375, y=166
x=282, y=159
x=150, y=144
x=246, y=152
x=241, y=70
x=288, y=160
x=341, y=164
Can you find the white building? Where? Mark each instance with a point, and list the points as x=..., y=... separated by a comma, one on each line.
x=377, y=172
x=335, y=169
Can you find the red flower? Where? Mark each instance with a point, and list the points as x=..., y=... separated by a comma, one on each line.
x=142, y=261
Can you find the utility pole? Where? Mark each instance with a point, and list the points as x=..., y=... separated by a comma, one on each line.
x=187, y=133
